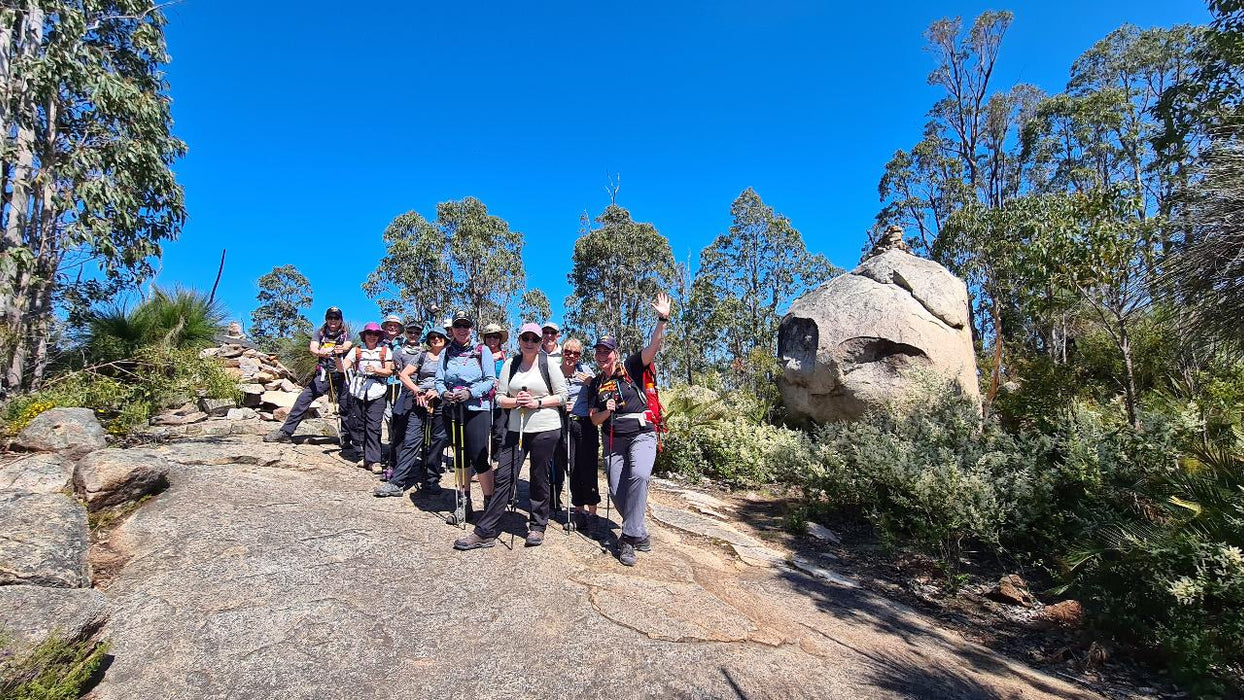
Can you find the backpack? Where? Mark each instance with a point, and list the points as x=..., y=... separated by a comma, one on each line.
x=541, y=359
x=655, y=412
x=479, y=354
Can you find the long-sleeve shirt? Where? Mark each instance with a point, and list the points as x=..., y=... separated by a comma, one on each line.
x=469, y=366
x=534, y=420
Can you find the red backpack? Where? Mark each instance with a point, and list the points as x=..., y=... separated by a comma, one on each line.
x=654, y=413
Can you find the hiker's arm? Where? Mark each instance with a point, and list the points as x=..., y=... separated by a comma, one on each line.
x=662, y=307
x=314, y=347
x=385, y=369
x=404, y=378
x=560, y=393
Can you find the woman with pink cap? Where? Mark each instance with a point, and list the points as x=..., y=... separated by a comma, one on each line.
x=367, y=368
x=533, y=388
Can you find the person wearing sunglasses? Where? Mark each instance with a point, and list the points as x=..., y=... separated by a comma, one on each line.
x=619, y=404
x=533, y=389
x=549, y=333
x=465, y=381
x=495, y=338
x=573, y=435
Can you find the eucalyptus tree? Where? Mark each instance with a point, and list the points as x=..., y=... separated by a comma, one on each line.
x=618, y=267
x=750, y=273
x=86, y=163
x=467, y=258
x=534, y=307
x=284, y=296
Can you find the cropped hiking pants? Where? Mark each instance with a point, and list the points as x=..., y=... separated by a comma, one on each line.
x=420, y=460
x=473, y=435
x=629, y=462
x=368, y=415
x=539, y=446
x=583, y=440
x=317, y=387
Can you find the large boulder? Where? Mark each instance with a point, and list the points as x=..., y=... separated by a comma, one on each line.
x=43, y=540
x=35, y=613
x=852, y=344
x=72, y=431
x=112, y=477
x=40, y=473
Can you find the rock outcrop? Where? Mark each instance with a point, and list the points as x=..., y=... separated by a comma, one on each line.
x=38, y=473
x=71, y=431
x=43, y=540
x=34, y=613
x=113, y=477
x=851, y=344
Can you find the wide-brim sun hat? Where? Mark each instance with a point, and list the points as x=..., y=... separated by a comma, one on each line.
x=371, y=327
x=435, y=331
x=494, y=329
x=392, y=318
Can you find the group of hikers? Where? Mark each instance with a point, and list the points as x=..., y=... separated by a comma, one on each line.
x=439, y=389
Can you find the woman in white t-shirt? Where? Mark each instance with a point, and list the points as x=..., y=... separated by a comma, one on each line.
x=367, y=368
x=533, y=388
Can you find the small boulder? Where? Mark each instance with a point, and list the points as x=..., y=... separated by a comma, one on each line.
x=43, y=540
x=287, y=385
x=240, y=413
x=71, y=431
x=1012, y=590
x=252, y=394
x=34, y=613
x=215, y=407
x=1068, y=612
x=113, y=476
x=317, y=427
x=249, y=365
x=281, y=413
x=37, y=473
x=174, y=418
x=280, y=398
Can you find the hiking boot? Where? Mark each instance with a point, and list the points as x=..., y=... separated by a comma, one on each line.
x=386, y=474
x=644, y=545
x=626, y=553
x=432, y=488
x=389, y=489
x=278, y=435
x=583, y=520
x=473, y=541
x=535, y=538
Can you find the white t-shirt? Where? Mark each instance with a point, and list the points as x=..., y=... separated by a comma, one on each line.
x=362, y=381
x=534, y=420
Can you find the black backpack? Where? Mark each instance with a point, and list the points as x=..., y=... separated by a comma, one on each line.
x=541, y=359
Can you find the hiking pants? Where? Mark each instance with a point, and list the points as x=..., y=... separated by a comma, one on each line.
x=540, y=447
x=368, y=415
x=584, y=489
x=474, y=435
x=414, y=465
x=629, y=461
x=317, y=387
x=500, y=419
x=398, y=413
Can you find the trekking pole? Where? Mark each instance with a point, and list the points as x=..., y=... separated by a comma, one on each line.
x=514, y=470
x=460, y=467
x=608, y=484
x=459, y=508
x=569, y=475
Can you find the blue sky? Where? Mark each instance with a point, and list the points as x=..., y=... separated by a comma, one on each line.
x=311, y=124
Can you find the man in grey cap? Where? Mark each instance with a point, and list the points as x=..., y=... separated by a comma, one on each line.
x=550, y=332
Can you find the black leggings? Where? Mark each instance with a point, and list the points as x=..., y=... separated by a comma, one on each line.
x=585, y=446
x=540, y=447
x=473, y=434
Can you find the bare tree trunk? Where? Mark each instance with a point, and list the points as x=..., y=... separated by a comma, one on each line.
x=1129, y=386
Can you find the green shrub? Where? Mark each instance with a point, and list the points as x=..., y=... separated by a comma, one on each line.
x=719, y=436
x=126, y=393
x=53, y=670
x=178, y=319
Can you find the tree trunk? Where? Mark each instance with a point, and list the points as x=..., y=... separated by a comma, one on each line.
x=1129, y=386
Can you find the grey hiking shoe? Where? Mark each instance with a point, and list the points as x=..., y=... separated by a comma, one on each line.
x=626, y=554
x=388, y=489
x=535, y=538
x=644, y=545
x=473, y=541
x=278, y=435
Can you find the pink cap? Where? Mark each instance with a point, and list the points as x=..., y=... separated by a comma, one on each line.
x=529, y=328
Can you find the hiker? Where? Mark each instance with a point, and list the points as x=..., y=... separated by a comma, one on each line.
x=533, y=389
x=549, y=333
x=368, y=368
x=419, y=461
x=395, y=340
x=576, y=376
x=329, y=342
x=582, y=439
x=618, y=400
x=495, y=338
x=465, y=382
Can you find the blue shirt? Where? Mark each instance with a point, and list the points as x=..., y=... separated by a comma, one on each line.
x=467, y=366
x=574, y=391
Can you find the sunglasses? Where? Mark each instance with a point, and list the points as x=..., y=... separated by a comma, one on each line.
x=462, y=325
x=549, y=332
x=571, y=353
x=529, y=339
